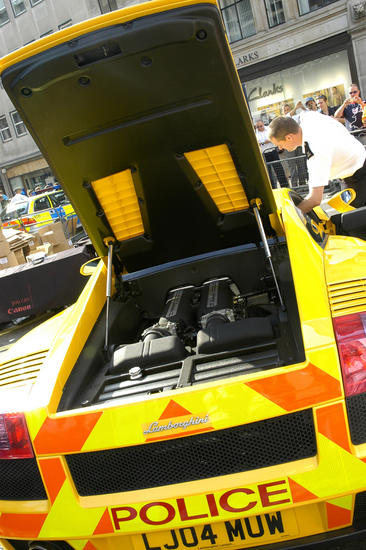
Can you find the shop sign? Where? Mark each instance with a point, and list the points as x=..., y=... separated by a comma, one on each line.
x=259, y=92
x=247, y=58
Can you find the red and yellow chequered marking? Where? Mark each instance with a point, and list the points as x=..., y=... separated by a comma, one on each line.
x=298, y=389
x=65, y=434
x=339, y=511
x=21, y=525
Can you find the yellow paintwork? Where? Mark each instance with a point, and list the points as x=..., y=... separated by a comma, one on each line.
x=307, y=491
x=112, y=18
x=339, y=204
x=333, y=476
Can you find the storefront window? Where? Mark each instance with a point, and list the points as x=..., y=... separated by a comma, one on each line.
x=305, y=6
x=329, y=75
x=238, y=19
x=275, y=14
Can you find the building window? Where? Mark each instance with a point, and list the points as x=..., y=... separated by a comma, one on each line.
x=238, y=19
x=18, y=7
x=107, y=5
x=18, y=124
x=275, y=14
x=65, y=24
x=35, y=2
x=305, y=6
x=4, y=129
x=4, y=18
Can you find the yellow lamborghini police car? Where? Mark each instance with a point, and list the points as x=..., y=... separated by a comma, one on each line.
x=208, y=388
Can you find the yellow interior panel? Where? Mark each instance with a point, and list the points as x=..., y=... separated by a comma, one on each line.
x=117, y=196
x=215, y=168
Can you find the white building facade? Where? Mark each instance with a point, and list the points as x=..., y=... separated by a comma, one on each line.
x=284, y=51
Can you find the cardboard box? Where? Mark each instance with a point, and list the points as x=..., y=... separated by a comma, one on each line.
x=57, y=230
x=60, y=247
x=8, y=261
x=4, y=248
x=19, y=254
x=36, y=258
x=2, y=236
x=46, y=247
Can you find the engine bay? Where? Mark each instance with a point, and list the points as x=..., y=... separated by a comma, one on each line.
x=198, y=320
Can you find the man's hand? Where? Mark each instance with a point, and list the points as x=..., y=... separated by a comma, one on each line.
x=314, y=198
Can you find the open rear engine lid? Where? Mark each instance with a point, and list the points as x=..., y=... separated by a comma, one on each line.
x=141, y=115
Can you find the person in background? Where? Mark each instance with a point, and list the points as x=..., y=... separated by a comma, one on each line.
x=270, y=154
x=336, y=97
x=18, y=197
x=351, y=109
x=332, y=153
x=295, y=159
x=323, y=107
x=3, y=201
x=310, y=104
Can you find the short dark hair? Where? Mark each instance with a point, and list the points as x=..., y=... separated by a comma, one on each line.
x=322, y=96
x=281, y=126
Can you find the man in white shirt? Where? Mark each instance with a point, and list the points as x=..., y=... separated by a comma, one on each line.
x=331, y=151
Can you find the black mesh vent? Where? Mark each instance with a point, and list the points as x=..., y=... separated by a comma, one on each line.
x=359, y=516
x=356, y=408
x=20, y=480
x=265, y=443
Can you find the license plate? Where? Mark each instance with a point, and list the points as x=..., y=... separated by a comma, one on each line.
x=245, y=532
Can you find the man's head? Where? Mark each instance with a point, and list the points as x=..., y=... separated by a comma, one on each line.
x=286, y=108
x=310, y=104
x=322, y=102
x=285, y=133
x=354, y=91
x=259, y=125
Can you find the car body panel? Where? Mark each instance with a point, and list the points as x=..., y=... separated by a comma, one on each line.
x=147, y=471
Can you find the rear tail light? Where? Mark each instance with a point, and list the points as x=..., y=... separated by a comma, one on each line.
x=14, y=438
x=350, y=333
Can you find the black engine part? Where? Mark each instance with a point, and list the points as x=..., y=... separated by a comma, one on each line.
x=218, y=337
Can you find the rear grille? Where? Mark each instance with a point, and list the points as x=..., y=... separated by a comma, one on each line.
x=247, y=447
x=348, y=296
x=356, y=409
x=21, y=371
x=20, y=480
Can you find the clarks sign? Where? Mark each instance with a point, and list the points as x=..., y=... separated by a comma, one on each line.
x=247, y=58
x=260, y=92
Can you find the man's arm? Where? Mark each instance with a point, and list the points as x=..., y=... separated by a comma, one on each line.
x=314, y=198
x=299, y=105
x=341, y=108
